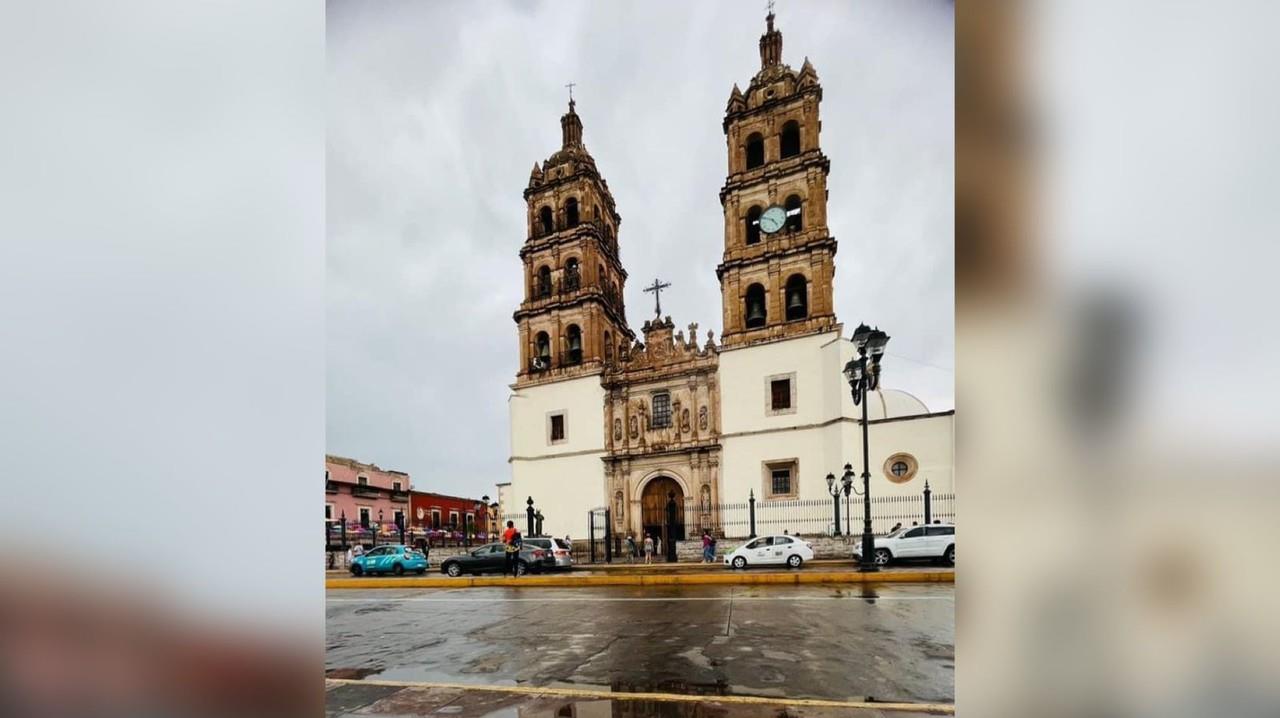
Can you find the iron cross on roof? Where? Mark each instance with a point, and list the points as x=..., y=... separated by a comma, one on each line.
x=657, y=288
x=570, y=86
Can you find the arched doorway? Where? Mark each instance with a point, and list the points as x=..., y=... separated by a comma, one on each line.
x=653, y=511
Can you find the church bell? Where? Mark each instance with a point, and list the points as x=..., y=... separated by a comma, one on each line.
x=795, y=303
x=755, y=312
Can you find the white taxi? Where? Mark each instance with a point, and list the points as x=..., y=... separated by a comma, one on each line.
x=771, y=551
x=931, y=541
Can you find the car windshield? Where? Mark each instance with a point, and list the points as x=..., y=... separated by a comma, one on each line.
x=895, y=533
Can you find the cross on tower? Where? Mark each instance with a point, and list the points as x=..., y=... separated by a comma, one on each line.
x=570, y=86
x=657, y=288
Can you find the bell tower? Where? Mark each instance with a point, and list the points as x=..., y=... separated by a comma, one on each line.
x=779, y=256
x=572, y=319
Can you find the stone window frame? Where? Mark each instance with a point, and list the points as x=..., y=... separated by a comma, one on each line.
x=371, y=522
x=564, y=425
x=913, y=467
x=766, y=477
x=768, y=394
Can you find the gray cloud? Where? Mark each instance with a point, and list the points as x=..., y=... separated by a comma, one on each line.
x=438, y=110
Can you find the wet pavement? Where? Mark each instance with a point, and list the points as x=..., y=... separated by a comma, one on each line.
x=888, y=642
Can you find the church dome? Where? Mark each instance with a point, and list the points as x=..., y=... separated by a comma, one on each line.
x=893, y=404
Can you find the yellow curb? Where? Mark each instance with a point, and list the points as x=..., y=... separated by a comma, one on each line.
x=728, y=578
x=939, y=708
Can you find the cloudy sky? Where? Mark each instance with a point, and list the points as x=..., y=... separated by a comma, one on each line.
x=438, y=110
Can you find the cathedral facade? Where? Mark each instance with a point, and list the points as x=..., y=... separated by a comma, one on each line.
x=600, y=417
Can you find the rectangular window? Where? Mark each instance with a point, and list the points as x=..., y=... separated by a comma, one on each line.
x=557, y=427
x=328, y=511
x=362, y=480
x=435, y=519
x=395, y=485
x=453, y=519
x=661, y=410
x=781, y=481
x=365, y=515
x=398, y=518
x=780, y=389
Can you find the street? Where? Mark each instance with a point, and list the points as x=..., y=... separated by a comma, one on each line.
x=883, y=643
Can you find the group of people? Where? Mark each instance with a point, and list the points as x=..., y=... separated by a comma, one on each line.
x=653, y=544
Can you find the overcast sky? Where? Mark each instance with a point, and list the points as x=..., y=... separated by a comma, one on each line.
x=438, y=110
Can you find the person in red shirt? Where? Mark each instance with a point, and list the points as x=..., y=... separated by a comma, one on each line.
x=512, y=540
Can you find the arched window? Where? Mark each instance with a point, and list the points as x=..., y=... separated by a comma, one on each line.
x=790, y=139
x=753, y=225
x=755, y=150
x=596, y=211
x=542, y=358
x=547, y=219
x=571, y=212
x=797, y=297
x=572, y=276
x=544, y=282
x=795, y=217
x=757, y=314
x=573, y=337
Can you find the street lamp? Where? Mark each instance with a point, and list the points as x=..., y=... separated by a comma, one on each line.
x=863, y=374
x=834, y=489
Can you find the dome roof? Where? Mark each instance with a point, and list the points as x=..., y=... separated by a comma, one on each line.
x=893, y=404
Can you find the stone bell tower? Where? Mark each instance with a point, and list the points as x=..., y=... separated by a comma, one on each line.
x=572, y=319
x=779, y=256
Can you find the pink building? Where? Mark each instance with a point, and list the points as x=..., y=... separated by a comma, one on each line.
x=364, y=493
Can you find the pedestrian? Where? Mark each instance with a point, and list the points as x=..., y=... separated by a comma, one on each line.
x=511, y=542
x=648, y=548
x=896, y=527
x=657, y=545
x=784, y=532
x=632, y=553
x=357, y=551
x=708, y=547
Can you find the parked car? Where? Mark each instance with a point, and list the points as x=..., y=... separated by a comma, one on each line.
x=491, y=558
x=930, y=541
x=560, y=550
x=771, y=550
x=391, y=558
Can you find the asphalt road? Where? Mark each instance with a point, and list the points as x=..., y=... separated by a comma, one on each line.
x=884, y=643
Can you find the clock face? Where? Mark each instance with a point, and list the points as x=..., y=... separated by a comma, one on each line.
x=773, y=219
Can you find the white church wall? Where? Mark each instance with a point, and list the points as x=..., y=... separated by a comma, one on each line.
x=745, y=393
x=565, y=478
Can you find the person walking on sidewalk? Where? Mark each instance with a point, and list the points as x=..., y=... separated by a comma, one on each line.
x=632, y=553
x=511, y=542
x=657, y=545
x=648, y=548
x=708, y=547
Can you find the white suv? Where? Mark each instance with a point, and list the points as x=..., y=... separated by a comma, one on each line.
x=931, y=541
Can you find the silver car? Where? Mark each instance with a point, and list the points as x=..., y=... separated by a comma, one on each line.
x=559, y=549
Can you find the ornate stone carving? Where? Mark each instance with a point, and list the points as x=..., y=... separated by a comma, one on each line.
x=617, y=429
x=632, y=424
x=702, y=418
x=684, y=420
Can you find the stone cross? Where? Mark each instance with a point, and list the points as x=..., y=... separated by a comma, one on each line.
x=657, y=288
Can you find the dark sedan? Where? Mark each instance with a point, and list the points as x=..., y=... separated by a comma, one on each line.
x=491, y=558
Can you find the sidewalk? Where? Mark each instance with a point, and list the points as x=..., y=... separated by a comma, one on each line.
x=659, y=575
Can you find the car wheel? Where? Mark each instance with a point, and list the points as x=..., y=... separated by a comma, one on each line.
x=453, y=569
x=739, y=562
x=883, y=557
x=398, y=569
x=794, y=561
x=356, y=569
x=950, y=555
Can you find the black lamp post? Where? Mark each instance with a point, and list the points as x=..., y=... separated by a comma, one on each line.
x=377, y=529
x=863, y=374
x=834, y=489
